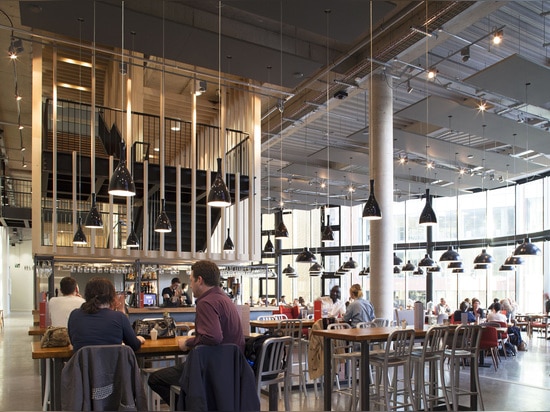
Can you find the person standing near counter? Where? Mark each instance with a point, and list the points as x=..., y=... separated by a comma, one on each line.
x=97, y=323
x=59, y=308
x=171, y=294
x=217, y=321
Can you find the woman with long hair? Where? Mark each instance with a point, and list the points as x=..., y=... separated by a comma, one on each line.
x=96, y=323
x=360, y=309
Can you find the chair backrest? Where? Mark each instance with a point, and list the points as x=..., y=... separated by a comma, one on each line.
x=467, y=337
x=489, y=337
x=340, y=345
x=406, y=315
x=435, y=340
x=366, y=325
x=267, y=317
x=291, y=327
x=102, y=378
x=275, y=358
x=400, y=343
x=381, y=322
x=280, y=316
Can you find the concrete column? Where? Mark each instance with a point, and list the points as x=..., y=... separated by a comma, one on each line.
x=381, y=170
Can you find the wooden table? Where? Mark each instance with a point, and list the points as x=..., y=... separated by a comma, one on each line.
x=274, y=324
x=159, y=347
x=36, y=330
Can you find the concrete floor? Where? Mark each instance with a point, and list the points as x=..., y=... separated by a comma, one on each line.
x=521, y=383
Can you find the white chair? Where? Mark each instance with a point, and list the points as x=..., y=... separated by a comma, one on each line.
x=279, y=316
x=342, y=352
x=274, y=364
x=265, y=317
x=293, y=328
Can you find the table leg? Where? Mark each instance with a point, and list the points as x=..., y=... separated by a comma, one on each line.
x=273, y=397
x=473, y=386
x=327, y=374
x=56, y=384
x=365, y=376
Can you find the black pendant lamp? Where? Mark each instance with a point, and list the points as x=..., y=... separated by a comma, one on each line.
x=281, y=232
x=483, y=258
x=316, y=269
x=450, y=255
x=397, y=260
x=427, y=261
x=93, y=219
x=132, y=240
x=306, y=256
x=458, y=270
x=228, y=244
x=454, y=265
x=121, y=182
x=162, y=224
x=290, y=272
x=328, y=234
x=341, y=271
x=418, y=272
x=527, y=249
x=396, y=270
x=409, y=267
x=372, y=211
x=79, y=236
x=505, y=268
x=350, y=264
x=434, y=269
x=269, y=249
x=364, y=272
x=219, y=195
x=514, y=260
x=481, y=266
x=428, y=217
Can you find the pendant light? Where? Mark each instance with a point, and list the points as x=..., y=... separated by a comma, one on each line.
x=514, y=260
x=350, y=264
x=454, y=265
x=316, y=269
x=162, y=224
x=450, y=255
x=79, y=237
x=281, y=231
x=290, y=272
x=372, y=211
x=527, y=249
x=306, y=256
x=483, y=258
x=228, y=244
x=480, y=266
x=121, y=182
x=409, y=267
x=397, y=260
x=418, y=272
x=93, y=219
x=458, y=270
x=396, y=270
x=364, y=272
x=341, y=271
x=269, y=249
x=427, y=261
x=328, y=234
x=132, y=241
x=428, y=217
x=435, y=268
x=505, y=268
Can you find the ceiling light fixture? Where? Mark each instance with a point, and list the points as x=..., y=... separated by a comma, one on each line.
x=328, y=234
x=465, y=53
x=527, y=249
x=432, y=73
x=372, y=211
x=228, y=245
x=428, y=217
x=132, y=241
x=497, y=37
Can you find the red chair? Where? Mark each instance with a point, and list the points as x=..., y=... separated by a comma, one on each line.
x=489, y=342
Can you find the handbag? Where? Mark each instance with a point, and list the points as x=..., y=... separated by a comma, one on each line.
x=55, y=337
x=166, y=327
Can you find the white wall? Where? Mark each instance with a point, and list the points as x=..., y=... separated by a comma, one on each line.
x=20, y=276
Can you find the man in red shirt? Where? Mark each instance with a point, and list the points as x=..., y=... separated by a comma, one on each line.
x=216, y=321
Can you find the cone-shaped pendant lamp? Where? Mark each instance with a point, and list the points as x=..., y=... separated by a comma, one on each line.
x=514, y=260
x=316, y=269
x=350, y=264
x=483, y=258
x=396, y=260
x=427, y=261
x=228, y=244
x=409, y=267
x=289, y=271
x=480, y=266
x=79, y=236
x=341, y=271
x=505, y=268
x=93, y=219
x=121, y=182
x=269, y=249
x=527, y=249
x=418, y=272
x=365, y=272
x=454, y=265
x=306, y=256
x=162, y=224
x=132, y=240
x=458, y=270
x=435, y=268
x=281, y=231
x=219, y=194
x=428, y=217
x=396, y=270
x=450, y=255
x=372, y=211
x=328, y=234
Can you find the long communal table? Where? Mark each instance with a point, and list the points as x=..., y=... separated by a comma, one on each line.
x=364, y=336
x=159, y=347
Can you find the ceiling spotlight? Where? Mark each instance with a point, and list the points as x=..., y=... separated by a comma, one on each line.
x=497, y=38
x=432, y=73
x=15, y=48
x=18, y=97
x=470, y=156
x=430, y=165
x=403, y=160
x=465, y=53
x=482, y=106
x=462, y=171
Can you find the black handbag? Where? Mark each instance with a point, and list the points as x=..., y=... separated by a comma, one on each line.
x=166, y=327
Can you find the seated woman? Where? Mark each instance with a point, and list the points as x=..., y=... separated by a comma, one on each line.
x=96, y=323
x=476, y=309
x=457, y=316
x=360, y=309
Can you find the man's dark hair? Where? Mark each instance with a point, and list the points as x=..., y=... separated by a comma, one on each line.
x=208, y=270
x=496, y=306
x=175, y=280
x=67, y=285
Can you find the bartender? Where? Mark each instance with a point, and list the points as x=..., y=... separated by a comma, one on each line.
x=171, y=294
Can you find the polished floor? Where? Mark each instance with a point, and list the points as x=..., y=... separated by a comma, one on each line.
x=521, y=383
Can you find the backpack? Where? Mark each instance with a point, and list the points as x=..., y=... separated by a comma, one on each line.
x=253, y=350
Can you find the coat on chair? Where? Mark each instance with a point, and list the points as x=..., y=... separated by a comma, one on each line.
x=102, y=378
x=217, y=378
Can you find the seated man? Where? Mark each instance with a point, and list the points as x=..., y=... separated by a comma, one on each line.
x=217, y=321
x=59, y=308
x=457, y=316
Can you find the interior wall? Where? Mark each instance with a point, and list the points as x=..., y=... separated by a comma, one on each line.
x=20, y=277
x=4, y=269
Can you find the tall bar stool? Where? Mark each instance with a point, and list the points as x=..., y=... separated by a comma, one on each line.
x=341, y=353
x=293, y=328
x=431, y=389
x=390, y=392
x=464, y=350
